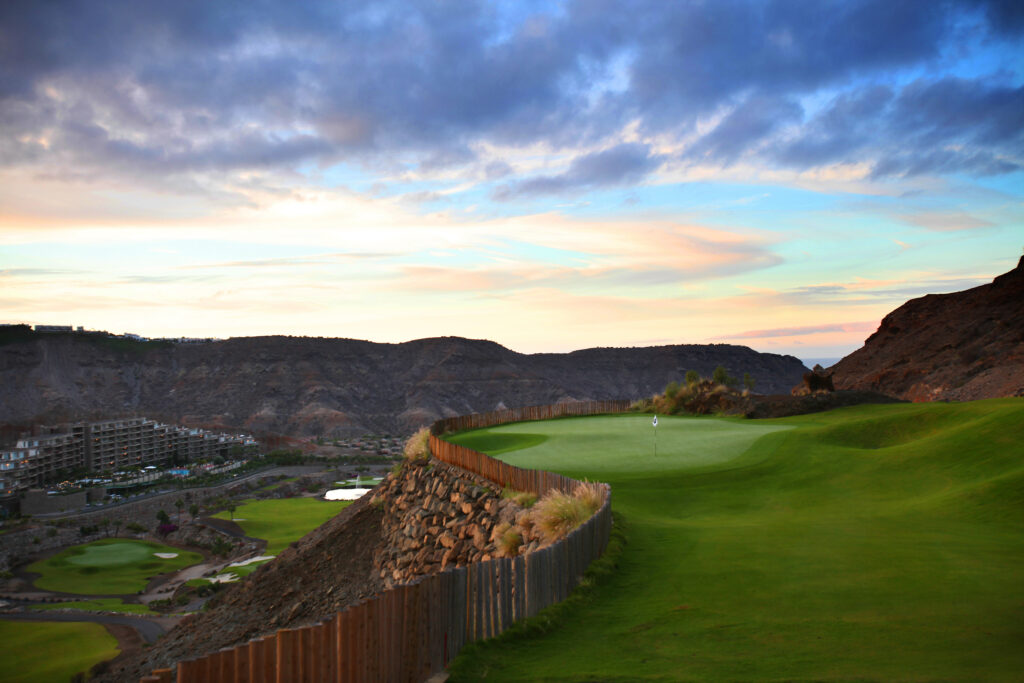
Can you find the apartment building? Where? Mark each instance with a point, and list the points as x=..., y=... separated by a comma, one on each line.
x=107, y=446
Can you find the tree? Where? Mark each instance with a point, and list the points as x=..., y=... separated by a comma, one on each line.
x=748, y=381
x=231, y=508
x=117, y=526
x=193, y=510
x=672, y=389
x=692, y=377
x=162, y=517
x=180, y=504
x=720, y=375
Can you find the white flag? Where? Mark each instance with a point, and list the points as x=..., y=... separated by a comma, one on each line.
x=655, y=423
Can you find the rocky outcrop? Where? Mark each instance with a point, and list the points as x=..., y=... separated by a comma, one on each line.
x=334, y=387
x=962, y=346
x=816, y=381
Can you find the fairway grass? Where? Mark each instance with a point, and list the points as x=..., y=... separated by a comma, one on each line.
x=112, y=566
x=869, y=543
x=281, y=521
x=41, y=652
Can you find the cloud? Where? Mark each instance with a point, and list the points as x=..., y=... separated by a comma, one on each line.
x=866, y=326
x=945, y=221
x=626, y=163
x=190, y=95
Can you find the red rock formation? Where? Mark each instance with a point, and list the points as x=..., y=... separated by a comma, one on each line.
x=962, y=346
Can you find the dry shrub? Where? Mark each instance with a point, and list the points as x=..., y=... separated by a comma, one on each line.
x=508, y=539
x=418, y=445
x=524, y=521
x=557, y=513
x=523, y=499
x=591, y=494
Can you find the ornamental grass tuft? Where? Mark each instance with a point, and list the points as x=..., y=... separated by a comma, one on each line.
x=417, y=448
x=557, y=513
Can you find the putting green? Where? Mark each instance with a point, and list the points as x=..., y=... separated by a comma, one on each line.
x=113, y=566
x=41, y=652
x=111, y=554
x=624, y=445
x=870, y=543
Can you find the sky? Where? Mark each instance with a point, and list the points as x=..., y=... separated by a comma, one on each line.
x=548, y=175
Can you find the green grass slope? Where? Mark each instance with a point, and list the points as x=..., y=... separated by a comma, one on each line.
x=40, y=652
x=869, y=543
x=112, y=566
x=281, y=521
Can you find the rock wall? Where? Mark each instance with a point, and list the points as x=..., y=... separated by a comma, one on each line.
x=436, y=516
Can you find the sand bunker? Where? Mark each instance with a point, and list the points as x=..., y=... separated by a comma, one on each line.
x=166, y=556
x=228, y=577
x=345, y=494
x=251, y=560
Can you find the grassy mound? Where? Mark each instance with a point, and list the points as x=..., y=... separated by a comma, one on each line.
x=28, y=654
x=878, y=542
x=112, y=566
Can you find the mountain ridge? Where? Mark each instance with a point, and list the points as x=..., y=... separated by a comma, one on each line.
x=960, y=346
x=311, y=386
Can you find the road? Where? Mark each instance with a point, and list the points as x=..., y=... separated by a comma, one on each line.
x=149, y=629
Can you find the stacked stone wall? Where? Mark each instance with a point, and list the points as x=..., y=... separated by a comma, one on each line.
x=437, y=516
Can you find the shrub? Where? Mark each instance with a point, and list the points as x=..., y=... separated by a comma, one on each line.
x=417, y=448
x=220, y=547
x=591, y=494
x=508, y=539
x=523, y=499
x=524, y=521
x=692, y=377
x=672, y=389
x=557, y=513
x=165, y=529
x=135, y=527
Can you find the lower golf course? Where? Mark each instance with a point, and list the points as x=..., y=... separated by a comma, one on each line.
x=38, y=651
x=868, y=543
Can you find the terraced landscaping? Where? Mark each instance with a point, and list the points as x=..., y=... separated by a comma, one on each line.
x=869, y=543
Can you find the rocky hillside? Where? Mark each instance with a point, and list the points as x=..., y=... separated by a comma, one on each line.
x=333, y=387
x=328, y=570
x=962, y=346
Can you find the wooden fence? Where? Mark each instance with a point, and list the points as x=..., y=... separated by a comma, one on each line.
x=412, y=631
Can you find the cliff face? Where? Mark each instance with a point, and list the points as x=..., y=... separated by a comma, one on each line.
x=310, y=386
x=963, y=346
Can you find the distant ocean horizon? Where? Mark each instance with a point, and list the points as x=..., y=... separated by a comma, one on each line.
x=823, y=362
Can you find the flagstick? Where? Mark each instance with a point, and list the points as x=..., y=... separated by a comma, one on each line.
x=655, y=436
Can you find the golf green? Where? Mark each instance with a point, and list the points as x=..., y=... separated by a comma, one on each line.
x=113, y=566
x=870, y=543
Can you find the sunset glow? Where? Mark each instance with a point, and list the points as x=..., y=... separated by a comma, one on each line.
x=548, y=175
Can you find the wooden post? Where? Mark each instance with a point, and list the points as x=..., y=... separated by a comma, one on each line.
x=285, y=672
